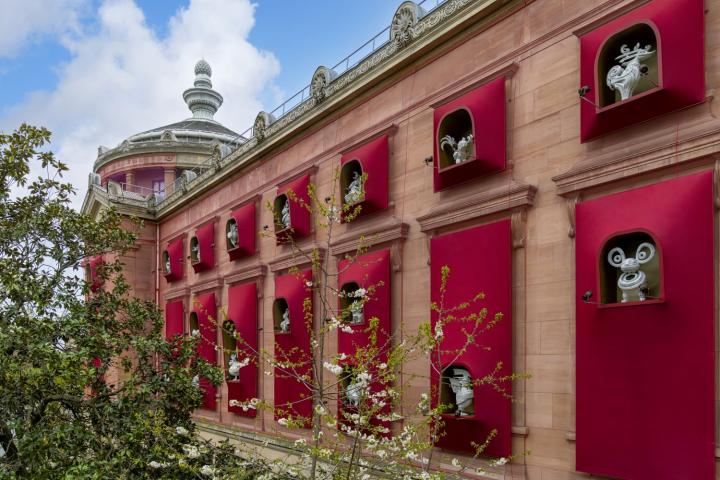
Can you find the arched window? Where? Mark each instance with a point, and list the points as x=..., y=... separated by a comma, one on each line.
x=457, y=391
x=352, y=304
x=166, y=264
x=351, y=183
x=232, y=237
x=456, y=139
x=281, y=212
x=630, y=269
x=194, y=250
x=281, y=316
x=230, y=349
x=628, y=64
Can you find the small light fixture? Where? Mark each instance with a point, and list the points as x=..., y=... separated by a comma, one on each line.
x=428, y=161
x=582, y=92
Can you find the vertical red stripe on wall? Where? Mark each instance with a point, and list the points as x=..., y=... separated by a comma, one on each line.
x=174, y=318
x=206, y=310
x=480, y=260
x=242, y=310
x=299, y=215
x=646, y=371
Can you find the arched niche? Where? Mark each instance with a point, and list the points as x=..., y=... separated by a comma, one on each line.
x=194, y=250
x=628, y=64
x=456, y=127
x=229, y=339
x=281, y=315
x=232, y=235
x=457, y=390
x=348, y=397
x=351, y=174
x=194, y=323
x=630, y=269
x=278, y=206
x=166, y=264
x=351, y=305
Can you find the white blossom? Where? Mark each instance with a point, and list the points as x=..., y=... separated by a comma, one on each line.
x=283, y=422
x=156, y=465
x=195, y=332
x=500, y=462
x=191, y=451
x=181, y=430
x=207, y=470
x=456, y=463
x=336, y=369
x=346, y=329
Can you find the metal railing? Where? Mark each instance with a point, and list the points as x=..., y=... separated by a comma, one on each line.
x=349, y=62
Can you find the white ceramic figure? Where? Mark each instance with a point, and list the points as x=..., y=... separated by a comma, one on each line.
x=462, y=387
x=232, y=235
x=632, y=281
x=195, y=252
x=624, y=78
x=285, y=324
x=234, y=366
x=168, y=268
x=460, y=150
x=352, y=393
x=285, y=214
x=356, y=310
x=354, y=190
x=196, y=381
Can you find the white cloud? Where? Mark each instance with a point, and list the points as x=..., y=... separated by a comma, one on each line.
x=24, y=21
x=122, y=79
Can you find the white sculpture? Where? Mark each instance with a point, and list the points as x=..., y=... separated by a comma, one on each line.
x=168, y=266
x=234, y=366
x=285, y=324
x=232, y=235
x=625, y=77
x=356, y=310
x=460, y=150
x=632, y=281
x=195, y=251
x=462, y=387
x=352, y=393
x=196, y=381
x=354, y=189
x=285, y=214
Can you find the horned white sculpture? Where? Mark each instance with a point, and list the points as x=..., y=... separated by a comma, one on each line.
x=285, y=214
x=462, y=387
x=232, y=234
x=234, y=366
x=356, y=310
x=285, y=324
x=625, y=77
x=460, y=150
x=632, y=281
x=354, y=190
x=195, y=251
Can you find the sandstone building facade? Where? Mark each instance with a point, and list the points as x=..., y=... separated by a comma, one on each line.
x=583, y=201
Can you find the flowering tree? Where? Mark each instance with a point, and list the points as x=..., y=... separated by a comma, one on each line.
x=378, y=427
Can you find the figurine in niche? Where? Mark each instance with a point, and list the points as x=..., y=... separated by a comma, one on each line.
x=354, y=189
x=356, y=311
x=352, y=393
x=633, y=281
x=285, y=324
x=234, y=367
x=462, y=387
x=285, y=214
x=195, y=251
x=460, y=150
x=625, y=77
x=168, y=267
x=232, y=234
x=196, y=381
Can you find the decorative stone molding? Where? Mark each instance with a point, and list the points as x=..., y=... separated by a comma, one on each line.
x=518, y=222
x=320, y=80
x=249, y=272
x=260, y=127
x=350, y=242
x=478, y=205
x=404, y=21
x=211, y=284
x=295, y=258
x=570, y=204
x=177, y=293
x=519, y=431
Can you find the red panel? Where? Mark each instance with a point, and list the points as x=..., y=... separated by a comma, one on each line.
x=175, y=252
x=96, y=282
x=480, y=260
x=206, y=239
x=368, y=270
x=486, y=105
x=373, y=157
x=206, y=310
x=245, y=219
x=680, y=24
x=645, y=372
x=174, y=318
x=242, y=310
x=294, y=347
x=299, y=215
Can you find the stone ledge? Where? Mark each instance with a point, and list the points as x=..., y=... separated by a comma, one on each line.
x=390, y=230
x=210, y=284
x=295, y=258
x=246, y=272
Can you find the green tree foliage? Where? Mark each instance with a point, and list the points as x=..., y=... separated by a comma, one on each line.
x=63, y=413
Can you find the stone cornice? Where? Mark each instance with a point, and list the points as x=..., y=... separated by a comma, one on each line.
x=176, y=293
x=610, y=167
x=478, y=205
x=351, y=242
x=245, y=273
x=295, y=258
x=362, y=140
x=130, y=149
x=211, y=284
x=471, y=82
x=609, y=16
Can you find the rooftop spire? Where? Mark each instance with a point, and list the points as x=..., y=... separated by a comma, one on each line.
x=201, y=99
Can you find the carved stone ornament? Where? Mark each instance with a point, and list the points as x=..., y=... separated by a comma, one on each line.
x=168, y=136
x=262, y=122
x=625, y=77
x=633, y=281
x=461, y=150
x=405, y=18
x=462, y=387
x=321, y=79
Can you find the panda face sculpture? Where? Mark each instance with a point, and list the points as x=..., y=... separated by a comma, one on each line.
x=632, y=281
